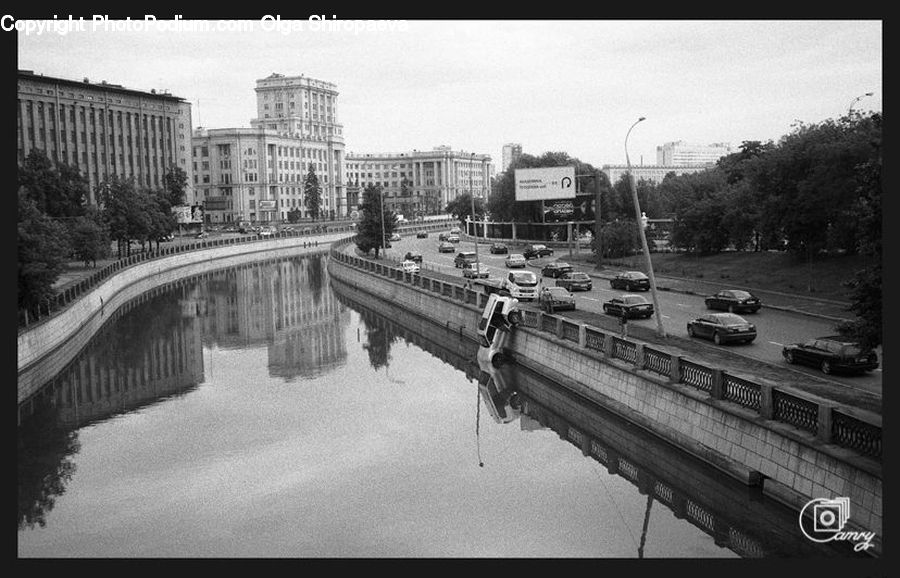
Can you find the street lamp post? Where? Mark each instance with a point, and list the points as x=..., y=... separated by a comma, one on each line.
x=474, y=226
x=855, y=100
x=383, y=243
x=637, y=211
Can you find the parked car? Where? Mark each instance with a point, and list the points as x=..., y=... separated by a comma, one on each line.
x=575, y=280
x=453, y=238
x=266, y=232
x=514, y=260
x=422, y=235
x=629, y=306
x=537, y=251
x=630, y=281
x=734, y=301
x=166, y=238
x=410, y=256
x=553, y=299
x=446, y=247
x=499, y=249
x=476, y=271
x=722, y=328
x=201, y=235
x=409, y=266
x=463, y=259
x=832, y=354
x=395, y=237
x=556, y=269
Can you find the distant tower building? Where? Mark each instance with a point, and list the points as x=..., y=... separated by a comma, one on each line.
x=511, y=152
x=104, y=129
x=679, y=153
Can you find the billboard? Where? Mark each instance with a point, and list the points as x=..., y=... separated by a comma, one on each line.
x=182, y=214
x=266, y=205
x=545, y=183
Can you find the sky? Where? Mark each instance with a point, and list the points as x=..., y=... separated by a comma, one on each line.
x=575, y=86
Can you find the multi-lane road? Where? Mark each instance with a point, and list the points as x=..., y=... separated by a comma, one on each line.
x=775, y=328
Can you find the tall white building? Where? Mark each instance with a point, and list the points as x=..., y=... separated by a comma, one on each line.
x=511, y=152
x=420, y=182
x=653, y=173
x=257, y=174
x=679, y=153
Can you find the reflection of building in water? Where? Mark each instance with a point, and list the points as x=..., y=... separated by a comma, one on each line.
x=115, y=373
x=284, y=304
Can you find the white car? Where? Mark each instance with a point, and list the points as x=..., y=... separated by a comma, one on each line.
x=409, y=267
x=476, y=271
x=515, y=260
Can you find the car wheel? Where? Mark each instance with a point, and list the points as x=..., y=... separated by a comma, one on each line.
x=826, y=367
x=691, y=330
x=789, y=356
x=717, y=339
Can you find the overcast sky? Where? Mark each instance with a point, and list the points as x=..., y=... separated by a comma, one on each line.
x=572, y=86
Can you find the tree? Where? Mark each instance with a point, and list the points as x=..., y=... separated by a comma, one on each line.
x=125, y=212
x=58, y=190
x=461, y=207
x=175, y=182
x=618, y=239
x=370, y=233
x=90, y=240
x=43, y=250
x=294, y=215
x=312, y=193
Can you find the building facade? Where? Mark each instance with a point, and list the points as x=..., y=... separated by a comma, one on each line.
x=104, y=129
x=679, y=153
x=420, y=183
x=511, y=152
x=652, y=173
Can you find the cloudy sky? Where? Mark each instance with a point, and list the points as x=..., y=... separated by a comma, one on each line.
x=560, y=85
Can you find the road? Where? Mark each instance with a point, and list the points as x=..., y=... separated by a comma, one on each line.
x=775, y=328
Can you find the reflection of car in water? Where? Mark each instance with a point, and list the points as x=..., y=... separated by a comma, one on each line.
x=501, y=399
x=501, y=314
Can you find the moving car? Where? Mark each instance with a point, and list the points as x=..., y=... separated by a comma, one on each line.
x=453, y=238
x=395, y=237
x=476, y=271
x=832, y=354
x=630, y=281
x=553, y=299
x=463, y=259
x=575, y=281
x=734, y=301
x=446, y=247
x=410, y=256
x=514, y=260
x=409, y=267
x=499, y=248
x=443, y=236
x=556, y=269
x=722, y=328
x=455, y=231
x=422, y=235
x=629, y=306
x=536, y=251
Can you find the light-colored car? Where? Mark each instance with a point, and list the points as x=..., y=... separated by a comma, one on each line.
x=266, y=232
x=409, y=267
x=515, y=260
x=476, y=271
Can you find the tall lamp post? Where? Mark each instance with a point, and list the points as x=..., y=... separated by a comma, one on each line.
x=660, y=330
x=383, y=243
x=855, y=100
x=474, y=226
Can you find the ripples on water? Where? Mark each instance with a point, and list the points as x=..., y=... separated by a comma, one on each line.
x=262, y=411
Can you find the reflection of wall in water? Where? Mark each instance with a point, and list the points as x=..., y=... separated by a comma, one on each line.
x=98, y=383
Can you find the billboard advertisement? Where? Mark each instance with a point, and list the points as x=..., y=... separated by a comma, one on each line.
x=546, y=183
x=182, y=214
x=266, y=205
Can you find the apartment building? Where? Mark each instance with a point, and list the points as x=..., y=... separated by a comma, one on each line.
x=680, y=153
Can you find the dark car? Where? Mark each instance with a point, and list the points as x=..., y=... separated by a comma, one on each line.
x=537, y=251
x=422, y=235
x=556, y=269
x=446, y=247
x=734, y=301
x=832, y=354
x=410, y=256
x=630, y=281
x=464, y=259
x=443, y=236
x=575, y=281
x=499, y=249
x=552, y=299
x=629, y=306
x=722, y=328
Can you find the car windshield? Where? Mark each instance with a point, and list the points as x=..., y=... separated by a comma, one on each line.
x=525, y=279
x=633, y=299
x=731, y=319
x=579, y=276
x=556, y=291
x=516, y=257
x=538, y=247
x=635, y=275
